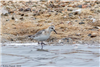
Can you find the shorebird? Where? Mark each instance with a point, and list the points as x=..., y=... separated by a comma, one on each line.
x=43, y=35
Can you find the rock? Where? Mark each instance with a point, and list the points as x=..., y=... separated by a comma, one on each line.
x=94, y=22
x=93, y=34
x=47, y=15
x=21, y=18
x=56, y=13
x=13, y=18
x=42, y=50
x=98, y=10
x=89, y=34
x=26, y=15
x=66, y=40
x=84, y=6
x=81, y=23
x=76, y=12
x=70, y=14
x=4, y=11
x=12, y=39
x=21, y=9
x=7, y=20
x=69, y=9
x=4, y=14
x=11, y=11
x=80, y=6
x=27, y=9
x=34, y=14
x=43, y=0
x=62, y=5
x=78, y=34
x=22, y=14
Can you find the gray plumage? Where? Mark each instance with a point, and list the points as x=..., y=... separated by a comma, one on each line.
x=43, y=34
x=35, y=35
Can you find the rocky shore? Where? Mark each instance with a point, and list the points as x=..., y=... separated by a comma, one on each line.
x=74, y=21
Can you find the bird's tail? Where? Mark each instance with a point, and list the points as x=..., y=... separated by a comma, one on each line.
x=31, y=37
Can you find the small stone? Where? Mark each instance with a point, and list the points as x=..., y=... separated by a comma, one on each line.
x=43, y=0
x=21, y=18
x=33, y=9
x=62, y=5
x=7, y=20
x=80, y=6
x=76, y=20
x=11, y=11
x=34, y=14
x=76, y=12
x=6, y=14
x=21, y=9
x=93, y=34
x=78, y=34
x=70, y=14
x=28, y=9
x=89, y=34
x=56, y=13
x=47, y=15
x=22, y=14
x=12, y=40
x=4, y=11
x=84, y=6
x=42, y=50
x=69, y=9
x=26, y=15
x=13, y=18
x=81, y=23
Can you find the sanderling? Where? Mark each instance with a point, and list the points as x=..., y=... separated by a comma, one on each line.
x=43, y=35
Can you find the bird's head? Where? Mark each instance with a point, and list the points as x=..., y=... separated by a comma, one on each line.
x=52, y=28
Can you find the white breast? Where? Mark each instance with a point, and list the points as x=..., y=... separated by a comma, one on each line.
x=42, y=37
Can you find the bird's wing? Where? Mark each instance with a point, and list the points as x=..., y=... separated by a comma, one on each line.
x=38, y=33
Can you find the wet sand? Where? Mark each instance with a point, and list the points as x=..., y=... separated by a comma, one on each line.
x=57, y=56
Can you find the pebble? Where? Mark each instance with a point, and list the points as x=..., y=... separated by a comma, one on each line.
x=70, y=14
x=21, y=18
x=81, y=23
x=93, y=35
x=11, y=11
x=78, y=34
x=13, y=18
x=76, y=12
x=69, y=9
x=22, y=14
x=21, y=9
x=28, y=9
x=47, y=15
x=4, y=11
x=6, y=14
x=80, y=6
x=34, y=14
x=12, y=39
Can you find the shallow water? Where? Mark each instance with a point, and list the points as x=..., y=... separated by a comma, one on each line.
x=57, y=56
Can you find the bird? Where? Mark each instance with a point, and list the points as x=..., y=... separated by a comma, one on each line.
x=43, y=35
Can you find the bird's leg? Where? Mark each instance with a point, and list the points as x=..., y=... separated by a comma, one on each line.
x=42, y=45
x=38, y=43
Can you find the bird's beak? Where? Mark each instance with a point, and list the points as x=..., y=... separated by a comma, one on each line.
x=55, y=31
